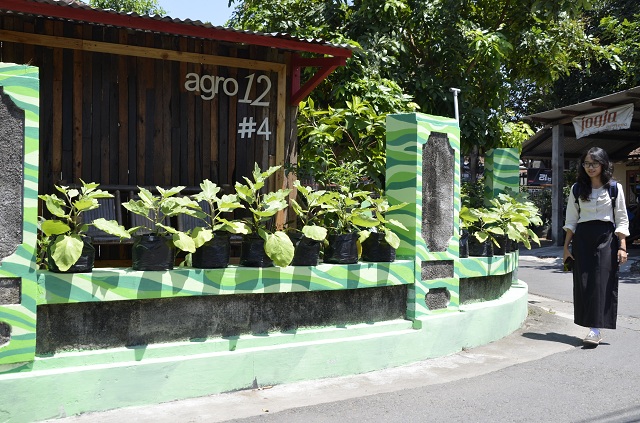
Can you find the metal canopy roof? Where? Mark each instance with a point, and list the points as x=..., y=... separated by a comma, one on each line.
x=78, y=11
x=618, y=144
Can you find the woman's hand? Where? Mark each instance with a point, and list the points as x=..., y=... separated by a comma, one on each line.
x=622, y=256
x=566, y=254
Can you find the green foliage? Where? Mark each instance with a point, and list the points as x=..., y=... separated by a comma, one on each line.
x=503, y=55
x=347, y=211
x=380, y=207
x=263, y=207
x=472, y=193
x=340, y=146
x=309, y=210
x=141, y=7
x=64, y=231
x=155, y=208
x=510, y=214
x=516, y=214
x=213, y=218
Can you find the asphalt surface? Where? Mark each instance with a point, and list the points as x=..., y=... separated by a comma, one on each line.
x=542, y=372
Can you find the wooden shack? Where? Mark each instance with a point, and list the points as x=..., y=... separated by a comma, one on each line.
x=132, y=100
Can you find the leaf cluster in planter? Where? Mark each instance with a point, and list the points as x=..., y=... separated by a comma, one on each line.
x=155, y=240
x=211, y=240
x=65, y=231
x=509, y=216
x=336, y=223
x=262, y=237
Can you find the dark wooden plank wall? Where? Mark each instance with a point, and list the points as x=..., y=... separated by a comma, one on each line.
x=128, y=120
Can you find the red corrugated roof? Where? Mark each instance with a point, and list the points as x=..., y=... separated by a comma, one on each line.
x=77, y=11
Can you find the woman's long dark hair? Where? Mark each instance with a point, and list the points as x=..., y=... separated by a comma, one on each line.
x=584, y=181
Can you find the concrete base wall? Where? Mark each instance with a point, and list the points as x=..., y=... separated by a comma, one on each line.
x=76, y=382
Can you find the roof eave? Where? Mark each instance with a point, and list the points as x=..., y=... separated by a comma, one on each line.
x=133, y=21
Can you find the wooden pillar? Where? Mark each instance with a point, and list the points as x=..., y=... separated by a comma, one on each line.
x=557, y=201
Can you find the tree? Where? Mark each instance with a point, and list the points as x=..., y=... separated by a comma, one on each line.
x=141, y=7
x=493, y=50
x=616, y=24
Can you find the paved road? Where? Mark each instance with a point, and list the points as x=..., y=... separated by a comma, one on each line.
x=539, y=373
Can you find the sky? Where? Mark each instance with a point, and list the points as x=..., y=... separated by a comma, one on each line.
x=214, y=11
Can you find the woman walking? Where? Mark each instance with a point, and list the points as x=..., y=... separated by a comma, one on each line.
x=596, y=226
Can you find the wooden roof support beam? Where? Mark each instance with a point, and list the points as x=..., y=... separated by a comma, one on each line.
x=326, y=65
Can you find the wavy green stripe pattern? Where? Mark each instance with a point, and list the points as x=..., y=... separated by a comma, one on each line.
x=407, y=136
x=502, y=170
x=21, y=84
x=473, y=267
x=115, y=284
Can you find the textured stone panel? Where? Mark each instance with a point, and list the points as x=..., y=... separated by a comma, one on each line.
x=486, y=288
x=128, y=323
x=438, y=169
x=10, y=291
x=11, y=175
x=437, y=270
x=437, y=298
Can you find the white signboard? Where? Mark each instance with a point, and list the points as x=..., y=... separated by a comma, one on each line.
x=606, y=120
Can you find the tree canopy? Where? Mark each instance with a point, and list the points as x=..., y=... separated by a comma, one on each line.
x=502, y=54
x=141, y=7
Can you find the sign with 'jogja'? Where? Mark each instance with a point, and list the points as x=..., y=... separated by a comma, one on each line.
x=606, y=120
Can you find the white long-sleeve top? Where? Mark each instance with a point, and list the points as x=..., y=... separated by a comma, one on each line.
x=598, y=208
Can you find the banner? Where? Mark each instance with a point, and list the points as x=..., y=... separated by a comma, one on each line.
x=606, y=120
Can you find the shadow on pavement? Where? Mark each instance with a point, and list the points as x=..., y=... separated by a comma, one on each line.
x=554, y=337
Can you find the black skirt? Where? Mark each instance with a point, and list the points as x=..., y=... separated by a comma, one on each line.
x=595, y=275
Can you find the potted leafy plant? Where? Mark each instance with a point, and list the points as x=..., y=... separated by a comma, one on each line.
x=346, y=213
x=481, y=224
x=308, y=240
x=212, y=239
x=263, y=245
x=380, y=242
x=155, y=241
x=68, y=249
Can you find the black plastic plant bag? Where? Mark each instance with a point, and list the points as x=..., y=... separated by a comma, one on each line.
x=84, y=263
x=480, y=249
x=463, y=251
x=213, y=254
x=252, y=252
x=376, y=248
x=153, y=252
x=307, y=252
x=342, y=249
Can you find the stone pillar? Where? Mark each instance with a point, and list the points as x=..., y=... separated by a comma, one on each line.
x=19, y=144
x=423, y=169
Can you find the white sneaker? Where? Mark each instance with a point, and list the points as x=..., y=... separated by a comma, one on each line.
x=593, y=338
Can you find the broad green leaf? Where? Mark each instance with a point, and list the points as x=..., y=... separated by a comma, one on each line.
x=209, y=191
x=362, y=236
x=364, y=221
x=54, y=227
x=184, y=242
x=397, y=224
x=279, y=248
x=138, y=207
x=111, y=227
x=85, y=204
x=392, y=239
x=314, y=232
x=55, y=205
x=201, y=236
x=167, y=228
x=146, y=197
x=66, y=250
x=237, y=228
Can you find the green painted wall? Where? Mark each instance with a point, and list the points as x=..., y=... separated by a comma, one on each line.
x=21, y=84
